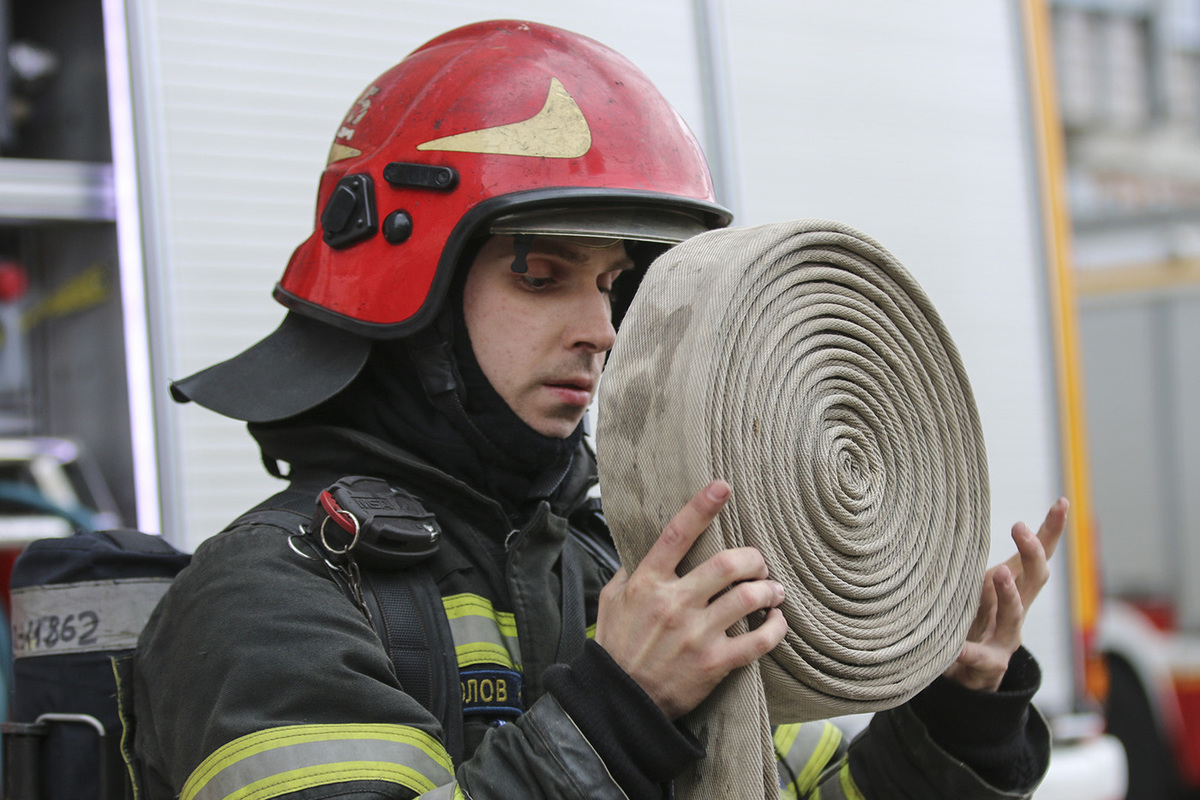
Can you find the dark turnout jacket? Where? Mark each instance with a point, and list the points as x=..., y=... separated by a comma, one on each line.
x=258, y=676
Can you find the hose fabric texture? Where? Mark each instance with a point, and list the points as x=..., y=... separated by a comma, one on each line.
x=803, y=364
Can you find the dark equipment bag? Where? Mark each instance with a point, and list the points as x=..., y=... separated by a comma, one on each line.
x=79, y=603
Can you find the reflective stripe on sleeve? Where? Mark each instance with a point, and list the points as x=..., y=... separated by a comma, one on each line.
x=843, y=788
x=482, y=635
x=804, y=750
x=277, y=761
x=849, y=787
x=451, y=791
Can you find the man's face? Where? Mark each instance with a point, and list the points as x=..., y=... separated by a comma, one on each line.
x=541, y=336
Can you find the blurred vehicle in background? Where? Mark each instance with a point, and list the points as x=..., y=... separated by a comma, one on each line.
x=48, y=487
x=1128, y=77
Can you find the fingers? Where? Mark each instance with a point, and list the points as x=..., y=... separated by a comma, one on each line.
x=685, y=528
x=668, y=632
x=984, y=659
x=1010, y=611
x=1053, y=526
x=985, y=617
x=725, y=569
x=753, y=645
x=1030, y=563
x=743, y=599
x=1034, y=567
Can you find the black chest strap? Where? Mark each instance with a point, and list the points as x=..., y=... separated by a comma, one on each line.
x=574, y=618
x=407, y=612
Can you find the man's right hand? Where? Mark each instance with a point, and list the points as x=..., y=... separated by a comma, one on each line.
x=669, y=632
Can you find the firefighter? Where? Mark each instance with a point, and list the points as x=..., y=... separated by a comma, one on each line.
x=486, y=211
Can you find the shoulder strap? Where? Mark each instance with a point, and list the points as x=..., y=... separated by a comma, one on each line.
x=407, y=614
x=287, y=510
x=588, y=536
x=573, y=633
x=589, y=529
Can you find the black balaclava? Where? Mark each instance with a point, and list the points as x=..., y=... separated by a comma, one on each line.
x=469, y=433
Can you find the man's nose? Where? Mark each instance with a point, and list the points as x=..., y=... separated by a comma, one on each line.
x=590, y=327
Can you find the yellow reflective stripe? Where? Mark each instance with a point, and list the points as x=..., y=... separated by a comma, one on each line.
x=849, y=787
x=784, y=736
x=482, y=635
x=323, y=775
x=463, y=605
x=124, y=712
x=470, y=655
x=269, y=763
x=806, y=749
x=591, y=631
x=831, y=737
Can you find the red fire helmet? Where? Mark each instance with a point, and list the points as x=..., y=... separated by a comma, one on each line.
x=495, y=127
x=503, y=127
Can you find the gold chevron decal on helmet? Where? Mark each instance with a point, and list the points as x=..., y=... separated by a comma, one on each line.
x=559, y=130
x=340, y=151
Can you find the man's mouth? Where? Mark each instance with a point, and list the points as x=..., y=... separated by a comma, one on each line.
x=572, y=391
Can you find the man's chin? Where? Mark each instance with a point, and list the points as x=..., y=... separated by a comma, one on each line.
x=556, y=427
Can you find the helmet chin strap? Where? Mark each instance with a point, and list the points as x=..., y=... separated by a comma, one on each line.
x=431, y=353
x=433, y=357
x=521, y=245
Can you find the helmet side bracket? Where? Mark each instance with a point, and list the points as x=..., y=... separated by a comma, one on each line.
x=349, y=216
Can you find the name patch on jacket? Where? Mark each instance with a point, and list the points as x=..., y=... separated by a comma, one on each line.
x=487, y=690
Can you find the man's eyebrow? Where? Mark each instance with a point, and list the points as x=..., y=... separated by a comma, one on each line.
x=549, y=246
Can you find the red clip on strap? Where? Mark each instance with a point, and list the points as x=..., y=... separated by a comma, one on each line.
x=338, y=514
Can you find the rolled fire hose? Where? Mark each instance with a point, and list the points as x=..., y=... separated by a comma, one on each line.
x=803, y=364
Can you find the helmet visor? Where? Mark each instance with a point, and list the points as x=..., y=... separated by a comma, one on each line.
x=660, y=225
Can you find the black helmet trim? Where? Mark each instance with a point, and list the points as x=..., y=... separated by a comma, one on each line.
x=543, y=203
x=635, y=223
x=300, y=365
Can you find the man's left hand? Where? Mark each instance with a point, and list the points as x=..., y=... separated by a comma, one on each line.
x=1008, y=591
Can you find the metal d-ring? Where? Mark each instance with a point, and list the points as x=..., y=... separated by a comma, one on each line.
x=353, y=542
x=292, y=544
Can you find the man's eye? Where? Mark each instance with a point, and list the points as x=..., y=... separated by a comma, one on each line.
x=535, y=283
